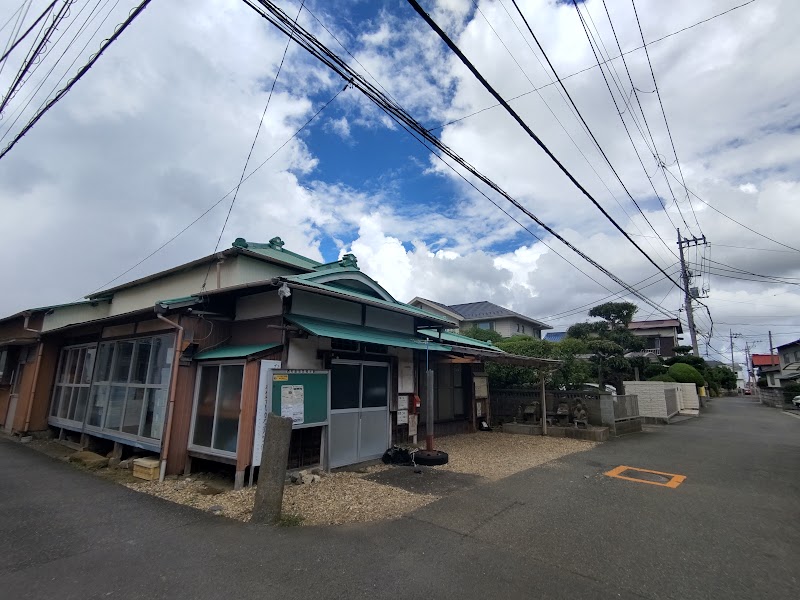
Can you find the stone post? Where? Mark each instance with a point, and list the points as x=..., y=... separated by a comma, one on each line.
x=272, y=473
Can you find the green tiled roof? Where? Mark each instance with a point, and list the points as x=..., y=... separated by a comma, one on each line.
x=274, y=249
x=462, y=340
x=225, y=352
x=358, y=333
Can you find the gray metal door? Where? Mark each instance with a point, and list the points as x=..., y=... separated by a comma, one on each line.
x=359, y=428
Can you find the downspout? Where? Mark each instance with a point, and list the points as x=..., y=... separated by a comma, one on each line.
x=29, y=410
x=173, y=385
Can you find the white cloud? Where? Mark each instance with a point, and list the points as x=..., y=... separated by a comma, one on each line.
x=159, y=130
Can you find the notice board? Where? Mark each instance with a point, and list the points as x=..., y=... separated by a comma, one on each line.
x=304, y=396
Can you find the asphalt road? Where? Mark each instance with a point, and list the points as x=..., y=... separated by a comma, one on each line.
x=564, y=530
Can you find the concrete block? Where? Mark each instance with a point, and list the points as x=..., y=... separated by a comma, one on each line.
x=90, y=460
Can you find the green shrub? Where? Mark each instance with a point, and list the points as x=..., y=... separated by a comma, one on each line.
x=663, y=377
x=683, y=373
x=655, y=369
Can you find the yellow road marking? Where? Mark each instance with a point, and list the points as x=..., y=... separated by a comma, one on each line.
x=675, y=480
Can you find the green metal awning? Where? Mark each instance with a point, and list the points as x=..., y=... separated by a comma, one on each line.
x=461, y=340
x=358, y=333
x=226, y=352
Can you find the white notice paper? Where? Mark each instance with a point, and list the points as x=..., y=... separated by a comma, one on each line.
x=402, y=417
x=412, y=424
x=402, y=403
x=292, y=397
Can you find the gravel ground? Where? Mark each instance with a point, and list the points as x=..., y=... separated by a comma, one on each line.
x=345, y=496
x=337, y=499
x=495, y=455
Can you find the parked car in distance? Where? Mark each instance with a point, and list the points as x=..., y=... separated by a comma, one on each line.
x=796, y=401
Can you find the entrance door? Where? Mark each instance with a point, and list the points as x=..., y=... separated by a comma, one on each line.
x=359, y=428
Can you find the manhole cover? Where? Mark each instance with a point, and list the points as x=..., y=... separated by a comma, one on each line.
x=645, y=475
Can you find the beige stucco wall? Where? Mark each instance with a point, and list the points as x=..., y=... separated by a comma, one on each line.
x=70, y=315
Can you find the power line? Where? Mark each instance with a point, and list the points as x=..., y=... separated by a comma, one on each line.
x=528, y=130
x=664, y=113
x=313, y=46
x=732, y=219
x=27, y=31
x=252, y=146
x=581, y=308
x=106, y=43
x=20, y=110
x=33, y=54
x=590, y=67
x=218, y=202
x=574, y=112
x=585, y=124
x=589, y=38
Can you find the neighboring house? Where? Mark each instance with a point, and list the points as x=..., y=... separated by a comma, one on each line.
x=789, y=357
x=767, y=366
x=661, y=335
x=555, y=336
x=485, y=315
x=177, y=363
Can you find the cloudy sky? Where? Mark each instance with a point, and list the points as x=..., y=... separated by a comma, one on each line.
x=158, y=131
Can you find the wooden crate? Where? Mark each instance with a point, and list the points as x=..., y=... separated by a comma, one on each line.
x=146, y=468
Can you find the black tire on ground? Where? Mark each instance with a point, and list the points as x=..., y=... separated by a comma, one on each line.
x=431, y=458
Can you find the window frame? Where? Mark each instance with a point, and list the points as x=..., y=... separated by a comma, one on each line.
x=210, y=450
x=151, y=389
x=59, y=387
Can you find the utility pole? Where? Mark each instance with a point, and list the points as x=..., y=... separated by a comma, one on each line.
x=771, y=351
x=732, y=363
x=687, y=294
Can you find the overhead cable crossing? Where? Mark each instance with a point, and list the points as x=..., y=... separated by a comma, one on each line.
x=311, y=44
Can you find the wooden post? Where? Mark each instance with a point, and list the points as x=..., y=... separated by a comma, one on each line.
x=272, y=473
x=544, y=407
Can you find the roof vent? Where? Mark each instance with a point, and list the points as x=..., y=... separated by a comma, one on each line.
x=349, y=260
x=276, y=243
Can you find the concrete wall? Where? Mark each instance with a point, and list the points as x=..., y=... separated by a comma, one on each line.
x=689, y=397
x=652, y=402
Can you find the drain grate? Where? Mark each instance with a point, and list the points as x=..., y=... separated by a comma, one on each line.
x=670, y=480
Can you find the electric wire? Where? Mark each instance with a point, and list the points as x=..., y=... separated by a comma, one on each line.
x=27, y=31
x=17, y=113
x=574, y=112
x=252, y=146
x=454, y=48
x=33, y=54
x=218, y=202
x=664, y=113
x=307, y=41
x=731, y=218
x=590, y=67
x=625, y=125
x=83, y=70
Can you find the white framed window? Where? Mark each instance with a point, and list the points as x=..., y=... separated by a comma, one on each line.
x=130, y=387
x=72, y=384
x=217, y=405
x=486, y=325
